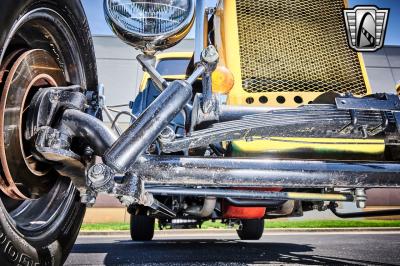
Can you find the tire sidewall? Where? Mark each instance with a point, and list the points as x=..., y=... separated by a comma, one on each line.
x=15, y=250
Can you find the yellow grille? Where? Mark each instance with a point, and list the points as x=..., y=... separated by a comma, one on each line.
x=296, y=46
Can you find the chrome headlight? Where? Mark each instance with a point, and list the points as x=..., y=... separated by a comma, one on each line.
x=150, y=25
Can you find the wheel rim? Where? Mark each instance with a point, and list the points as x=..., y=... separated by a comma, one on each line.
x=24, y=176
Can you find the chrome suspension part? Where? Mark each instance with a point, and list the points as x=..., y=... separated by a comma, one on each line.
x=124, y=170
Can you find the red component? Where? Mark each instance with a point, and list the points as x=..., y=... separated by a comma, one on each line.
x=233, y=212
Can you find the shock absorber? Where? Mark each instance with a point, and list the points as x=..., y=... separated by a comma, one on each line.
x=133, y=142
x=124, y=152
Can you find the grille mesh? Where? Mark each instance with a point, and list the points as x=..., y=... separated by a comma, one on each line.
x=296, y=45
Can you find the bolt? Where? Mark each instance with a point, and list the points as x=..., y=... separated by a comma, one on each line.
x=98, y=172
x=210, y=55
x=360, y=197
x=360, y=204
x=98, y=169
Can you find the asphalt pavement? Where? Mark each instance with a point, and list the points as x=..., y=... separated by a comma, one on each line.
x=210, y=248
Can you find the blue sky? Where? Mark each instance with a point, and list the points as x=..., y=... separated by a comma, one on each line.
x=94, y=11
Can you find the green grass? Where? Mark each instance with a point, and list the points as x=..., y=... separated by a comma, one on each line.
x=268, y=224
x=105, y=227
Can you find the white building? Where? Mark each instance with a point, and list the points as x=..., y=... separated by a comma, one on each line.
x=121, y=75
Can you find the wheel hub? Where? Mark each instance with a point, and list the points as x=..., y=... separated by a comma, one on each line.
x=24, y=176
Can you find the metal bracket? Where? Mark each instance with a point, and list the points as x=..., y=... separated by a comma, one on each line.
x=198, y=115
x=53, y=146
x=380, y=102
x=210, y=58
x=148, y=64
x=48, y=102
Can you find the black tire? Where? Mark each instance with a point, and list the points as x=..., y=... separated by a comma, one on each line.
x=251, y=229
x=60, y=28
x=142, y=227
x=77, y=49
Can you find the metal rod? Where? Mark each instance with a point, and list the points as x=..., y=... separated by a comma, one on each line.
x=176, y=170
x=246, y=194
x=103, y=106
x=118, y=105
x=147, y=63
x=111, y=118
x=132, y=143
x=114, y=122
x=200, y=22
x=196, y=74
x=158, y=206
x=345, y=215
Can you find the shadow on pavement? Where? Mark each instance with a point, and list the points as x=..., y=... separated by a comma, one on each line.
x=207, y=252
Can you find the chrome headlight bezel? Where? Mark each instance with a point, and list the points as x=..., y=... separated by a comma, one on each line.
x=150, y=43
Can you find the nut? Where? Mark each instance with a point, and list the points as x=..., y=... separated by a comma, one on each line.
x=210, y=55
x=100, y=177
x=98, y=171
x=167, y=134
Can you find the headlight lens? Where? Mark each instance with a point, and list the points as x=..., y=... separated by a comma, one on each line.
x=151, y=21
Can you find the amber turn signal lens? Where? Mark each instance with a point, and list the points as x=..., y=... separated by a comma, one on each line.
x=222, y=80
